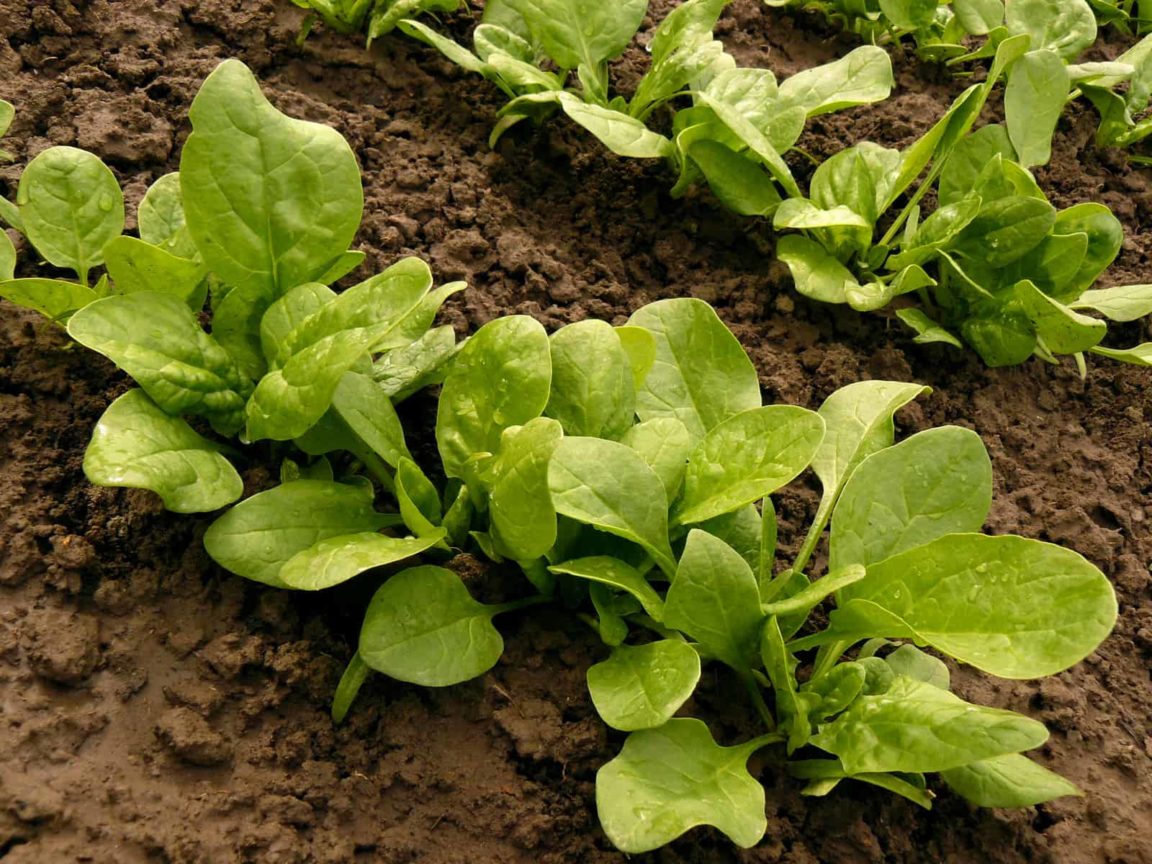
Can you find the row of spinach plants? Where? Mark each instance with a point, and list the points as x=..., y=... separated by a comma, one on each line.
x=626, y=471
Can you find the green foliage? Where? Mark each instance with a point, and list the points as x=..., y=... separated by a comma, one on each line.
x=372, y=17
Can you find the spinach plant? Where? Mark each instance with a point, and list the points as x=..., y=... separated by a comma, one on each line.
x=732, y=134
x=995, y=265
x=260, y=217
x=630, y=468
x=372, y=17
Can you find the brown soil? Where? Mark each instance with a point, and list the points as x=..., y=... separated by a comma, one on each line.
x=156, y=709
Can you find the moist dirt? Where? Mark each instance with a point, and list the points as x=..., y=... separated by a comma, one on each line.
x=154, y=708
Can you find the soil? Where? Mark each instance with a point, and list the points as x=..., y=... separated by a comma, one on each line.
x=154, y=708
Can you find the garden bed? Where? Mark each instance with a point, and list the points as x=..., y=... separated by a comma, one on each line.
x=155, y=708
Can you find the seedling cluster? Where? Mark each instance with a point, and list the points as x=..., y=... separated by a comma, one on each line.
x=627, y=471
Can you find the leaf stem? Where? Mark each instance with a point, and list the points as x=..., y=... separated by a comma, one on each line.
x=758, y=700
x=522, y=603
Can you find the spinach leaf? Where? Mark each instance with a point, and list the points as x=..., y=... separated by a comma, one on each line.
x=70, y=207
x=500, y=378
x=160, y=218
x=1012, y=607
x=1007, y=781
x=422, y=626
x=138, y=445
x=671, y=779
x=607, y=485
x=523, y=519
x=593, y=391
x=936, y=482
x=642, y=686
x=701, y=375
x=287, y=205
x=337, y=559
x=746, y=458
x=714, y=599
x=261, y=534
x=52, y=298
x=915, y=726
x=157, y=340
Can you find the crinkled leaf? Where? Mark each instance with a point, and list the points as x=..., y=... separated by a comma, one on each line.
x=157, y=340
x=1065, y=26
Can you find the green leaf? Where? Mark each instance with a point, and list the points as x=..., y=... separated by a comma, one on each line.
x=702, y=375
x=1006, y=230
x=52, y=298
x=288, y=313
x=1105, y=237
x=1033, y=101
x=71, y=206
x=817, y=274
x=979, y=17
x=289, y=401
x=402, y=371
x=160, y=218
x=936, y=482
x=918, y=727
x=970, y=157
x=520, y=504
x=337, y=559
x=355, y=674
x=369, y=413
x=7, y=257
x=270, y=201
x=620, y=133
x=1063, y=330
x=642, y=686
x=135, y=265
x=422, y=626
x=617, y=574
x=743, y=530
x=419, y=502
x=609, y=486
x=715, y=600
x=1013, y=607
x=1065, y=26
x=1138, y=355
x=581, y=32
x=1007, y=781
x=746, y=458
x=859, y=178
x=740, y=183
x=862, y=76
x=858, y=423
x=262, y=533
x=669, y=780
x=500, y=378
x=813, y=594
x=381, y=306
x=157, y=340
x=780, y=665
x=1122, y=303
x=593, y=392
x=640, y=346
x=664, y=443
x=137, y=445
x=911, y=662
x=927, y=330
